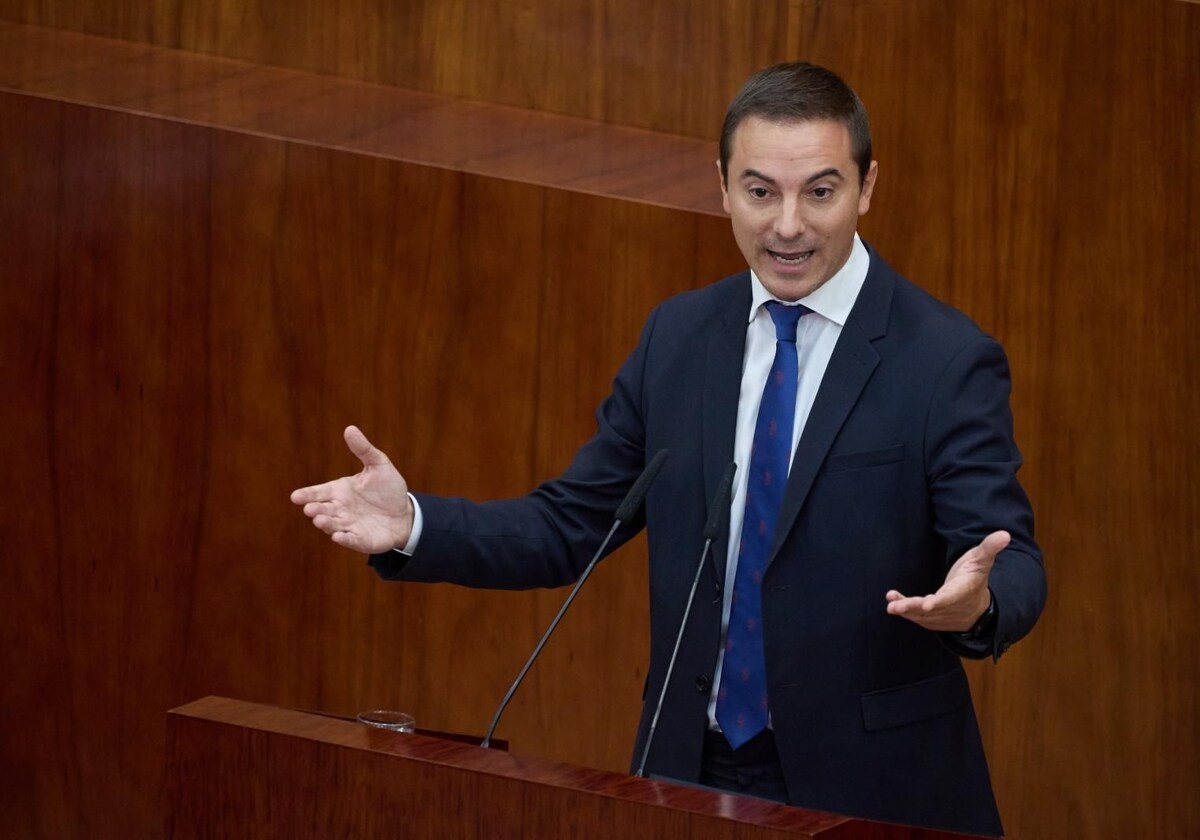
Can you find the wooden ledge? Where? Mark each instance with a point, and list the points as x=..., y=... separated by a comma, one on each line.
x=227, y=751
x=428, y=129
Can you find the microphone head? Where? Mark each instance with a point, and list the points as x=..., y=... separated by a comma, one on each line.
x=720, y=502
x=637, y=493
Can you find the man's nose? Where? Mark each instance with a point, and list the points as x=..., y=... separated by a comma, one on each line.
x=789, y=224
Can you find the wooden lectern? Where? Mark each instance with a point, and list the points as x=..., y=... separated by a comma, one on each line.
x=238, y=769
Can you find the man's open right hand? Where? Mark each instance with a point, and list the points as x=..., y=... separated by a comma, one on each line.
x=368, y=512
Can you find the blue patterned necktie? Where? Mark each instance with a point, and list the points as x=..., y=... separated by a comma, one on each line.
x=742, y=706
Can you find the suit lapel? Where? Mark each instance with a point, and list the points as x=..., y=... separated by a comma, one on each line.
x=850, y=368
x=722, y=388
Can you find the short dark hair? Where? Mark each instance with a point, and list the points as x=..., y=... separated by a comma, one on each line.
x=799, y=92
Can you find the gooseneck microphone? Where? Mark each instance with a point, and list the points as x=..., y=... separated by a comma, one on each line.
x=716, y=516
x=628, y=507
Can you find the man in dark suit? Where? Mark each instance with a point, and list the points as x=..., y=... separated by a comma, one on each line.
x=814, y=679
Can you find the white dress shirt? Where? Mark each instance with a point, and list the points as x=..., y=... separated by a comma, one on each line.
x=816, y=336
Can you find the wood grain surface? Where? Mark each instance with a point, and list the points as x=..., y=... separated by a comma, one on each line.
x=235, y=767
x=399, y=124
x=584, y=58
x=195, y=306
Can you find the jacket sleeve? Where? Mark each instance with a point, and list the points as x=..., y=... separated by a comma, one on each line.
x=971, y=462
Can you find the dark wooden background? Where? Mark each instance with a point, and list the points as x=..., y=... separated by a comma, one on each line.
x=194, y=307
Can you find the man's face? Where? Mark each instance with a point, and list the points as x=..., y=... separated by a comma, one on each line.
x=794, y=198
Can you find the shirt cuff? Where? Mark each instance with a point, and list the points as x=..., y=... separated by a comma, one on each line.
x=418, y=525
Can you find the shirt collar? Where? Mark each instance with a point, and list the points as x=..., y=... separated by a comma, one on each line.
x=834, y=298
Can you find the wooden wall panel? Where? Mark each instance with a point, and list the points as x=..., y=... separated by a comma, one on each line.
x=200, y=313
x=116, y=343
x=434, y=130
x=131, y=354
x=668, y=66
x=34, y=773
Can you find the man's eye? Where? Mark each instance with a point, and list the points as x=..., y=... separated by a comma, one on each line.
x=822, y=192
x=758, y=192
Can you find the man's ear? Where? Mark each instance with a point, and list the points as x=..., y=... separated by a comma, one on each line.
x=868, y=187
x=724, y=189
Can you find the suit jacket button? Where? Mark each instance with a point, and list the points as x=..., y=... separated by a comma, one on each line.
x=704, y=683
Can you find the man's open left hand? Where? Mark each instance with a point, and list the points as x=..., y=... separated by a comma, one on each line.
x=962, y=598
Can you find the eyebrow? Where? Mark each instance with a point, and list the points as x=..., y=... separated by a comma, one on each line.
x=832, y=171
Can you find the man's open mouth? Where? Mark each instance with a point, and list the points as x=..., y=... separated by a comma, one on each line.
x=790, y=257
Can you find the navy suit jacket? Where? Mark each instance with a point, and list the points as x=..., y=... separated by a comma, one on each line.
x=906, y=462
